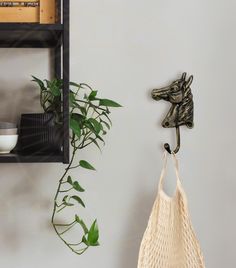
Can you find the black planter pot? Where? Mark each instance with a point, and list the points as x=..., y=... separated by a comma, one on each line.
x=39, y=134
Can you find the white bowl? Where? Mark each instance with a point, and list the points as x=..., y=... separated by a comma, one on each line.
x=7, y=143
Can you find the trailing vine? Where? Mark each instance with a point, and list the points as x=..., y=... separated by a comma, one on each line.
x=89, y=122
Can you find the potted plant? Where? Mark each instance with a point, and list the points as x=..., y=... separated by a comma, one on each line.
x=89, y=123
x=41, y=133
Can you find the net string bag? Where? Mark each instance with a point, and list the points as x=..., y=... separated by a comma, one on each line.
x=169, y=240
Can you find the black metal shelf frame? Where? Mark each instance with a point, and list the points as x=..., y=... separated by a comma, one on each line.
x=54, y=36
x=25, y=35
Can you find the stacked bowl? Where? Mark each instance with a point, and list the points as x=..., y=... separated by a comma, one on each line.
x=8, y=137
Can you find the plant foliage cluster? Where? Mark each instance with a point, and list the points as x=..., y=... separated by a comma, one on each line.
x=89, y=122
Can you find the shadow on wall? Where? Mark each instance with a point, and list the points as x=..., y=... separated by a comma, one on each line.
x=25, y=206
x=136, y=226
x=20, y=100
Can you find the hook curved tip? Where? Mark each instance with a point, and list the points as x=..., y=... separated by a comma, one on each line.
x=167, y=147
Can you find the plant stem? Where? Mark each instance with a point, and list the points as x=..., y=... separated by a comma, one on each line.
x=61, y=182
x=65, y=191
x=55, y=199
x=63, y=225
x=68, y=229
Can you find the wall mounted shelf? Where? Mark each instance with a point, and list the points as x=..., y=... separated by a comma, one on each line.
x=17, y=158
x=30, y=35
x=56, y=37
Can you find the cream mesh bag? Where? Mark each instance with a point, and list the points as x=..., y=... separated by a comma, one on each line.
x=169, y=240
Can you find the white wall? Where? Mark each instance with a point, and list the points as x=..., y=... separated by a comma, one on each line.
x=124, y=49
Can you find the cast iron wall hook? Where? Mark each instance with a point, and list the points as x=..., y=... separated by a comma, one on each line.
x=179, y=94
x=167, y=146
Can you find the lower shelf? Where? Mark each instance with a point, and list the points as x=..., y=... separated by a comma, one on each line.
x=17, y=158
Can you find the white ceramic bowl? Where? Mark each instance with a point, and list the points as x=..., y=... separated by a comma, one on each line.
x=7, y=143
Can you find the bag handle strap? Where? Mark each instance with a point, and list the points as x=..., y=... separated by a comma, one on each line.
x=164, y=169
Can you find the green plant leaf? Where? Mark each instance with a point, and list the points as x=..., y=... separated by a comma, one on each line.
x=59, y=83
x=66, y=202
x=93, y=234
x=97, y=126
x=72, y=99
x=78, y=199
x=39, y=82
x=55, y=91
x=77, y=186
x=83, y=110
x=107, y=117
x=92, y=95
x=108, y=103
x=90, y=126
x=80, y=118
x=53, y=86
x=100, y=138
x=105, y=123
x=65, y=198
x=95, y=142
x=95, y=244
x=74, y=125
x=82, y=224
x=85, y=164
x=69, y=180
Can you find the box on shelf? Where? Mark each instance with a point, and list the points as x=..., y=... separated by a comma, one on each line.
x=28, y=11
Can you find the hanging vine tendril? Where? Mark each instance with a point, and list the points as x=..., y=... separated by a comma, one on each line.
x=89, y=122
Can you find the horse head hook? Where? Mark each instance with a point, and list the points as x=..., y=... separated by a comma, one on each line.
x=179, y=94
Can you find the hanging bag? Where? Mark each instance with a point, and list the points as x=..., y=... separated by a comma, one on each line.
x=169, y=240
